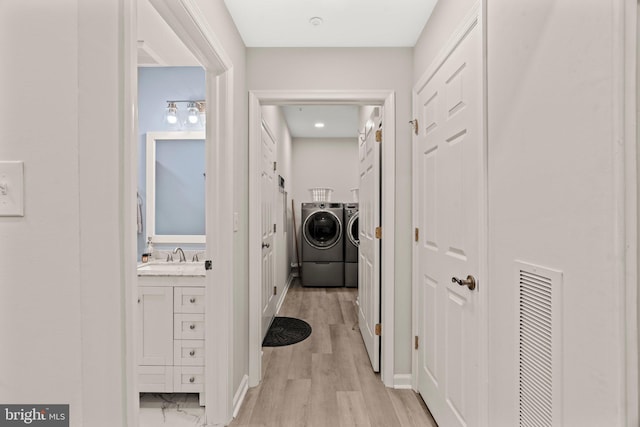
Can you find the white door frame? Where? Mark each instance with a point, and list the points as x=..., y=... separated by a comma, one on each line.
x=188, y=22
x=474, y=17
x=387, y=283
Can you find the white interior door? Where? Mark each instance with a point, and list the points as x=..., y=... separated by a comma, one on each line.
x=268, y=197
x=369, y=251
x=449, y=181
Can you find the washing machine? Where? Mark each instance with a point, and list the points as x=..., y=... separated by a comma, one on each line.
x=351, y=244
x=322, y=245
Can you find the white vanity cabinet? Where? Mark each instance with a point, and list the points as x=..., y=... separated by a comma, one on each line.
x=171, y=334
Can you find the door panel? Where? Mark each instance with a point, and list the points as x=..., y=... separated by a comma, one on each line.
x=449, y=188
x=369, y=250
x=268, y=187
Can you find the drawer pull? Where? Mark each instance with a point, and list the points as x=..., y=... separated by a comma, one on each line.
x=192, y=300
x=192, y=326
x=192, y=353
x=192, y=379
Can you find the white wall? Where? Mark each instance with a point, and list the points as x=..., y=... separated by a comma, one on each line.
x=61, y=269
x=551, y=86
x=551, y=183
x=320, y=162
x=357, y=69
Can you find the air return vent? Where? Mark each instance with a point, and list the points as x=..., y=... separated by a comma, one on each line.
x=539, y=332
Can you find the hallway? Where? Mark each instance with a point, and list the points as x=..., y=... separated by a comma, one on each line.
x=326, y=380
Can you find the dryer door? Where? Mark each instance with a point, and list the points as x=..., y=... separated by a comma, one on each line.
x=352, y=230
x=322, y=229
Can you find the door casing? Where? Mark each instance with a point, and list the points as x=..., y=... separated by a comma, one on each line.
x=356, y=97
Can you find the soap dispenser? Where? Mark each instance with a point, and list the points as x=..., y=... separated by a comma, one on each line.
x=148, y=253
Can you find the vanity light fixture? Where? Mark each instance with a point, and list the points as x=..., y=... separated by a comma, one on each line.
x=319, y=125
x=195, y=113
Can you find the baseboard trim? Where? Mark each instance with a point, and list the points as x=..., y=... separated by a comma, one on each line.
x=284, y=292
x=238, y=398
x=402, y=381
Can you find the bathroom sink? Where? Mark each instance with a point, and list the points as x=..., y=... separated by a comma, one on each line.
x=171, y=269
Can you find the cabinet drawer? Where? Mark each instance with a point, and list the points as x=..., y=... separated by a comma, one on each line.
x=155, y=379
x=188, y=326
x=188, y=300
x=188, y=379
x=188, y=352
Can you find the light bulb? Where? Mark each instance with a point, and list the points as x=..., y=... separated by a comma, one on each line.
x=192, y=114
x=171, y=114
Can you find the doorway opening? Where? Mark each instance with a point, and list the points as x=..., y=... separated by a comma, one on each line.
x=259, y=99
x=202, y=311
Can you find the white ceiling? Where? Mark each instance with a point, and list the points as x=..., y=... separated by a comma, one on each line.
x=279, y=23
x=341, y=121
x=346, y=23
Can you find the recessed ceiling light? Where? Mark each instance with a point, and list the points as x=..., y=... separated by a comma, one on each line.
x=315, y=21
x=319, y=125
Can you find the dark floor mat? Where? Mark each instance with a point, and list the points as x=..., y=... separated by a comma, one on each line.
x=286, y=331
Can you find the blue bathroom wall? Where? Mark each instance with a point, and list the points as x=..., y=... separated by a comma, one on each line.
x=157, y=85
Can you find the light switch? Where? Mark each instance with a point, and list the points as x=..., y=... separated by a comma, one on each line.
x=11, y=188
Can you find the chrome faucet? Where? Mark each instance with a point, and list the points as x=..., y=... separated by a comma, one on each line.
x=181, y=252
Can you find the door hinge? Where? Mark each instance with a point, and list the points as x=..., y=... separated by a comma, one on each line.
x=417, y=234
x=378, y=329
x=379, y=135
x=274, y=166
x=414, y=124
x=274, y=228
x=378, y=232
x=275, y=290
x=416, y=342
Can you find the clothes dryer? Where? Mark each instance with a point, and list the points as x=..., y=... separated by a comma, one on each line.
x=322, y=244
x=351, y=244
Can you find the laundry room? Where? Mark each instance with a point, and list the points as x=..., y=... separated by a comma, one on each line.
x=317, y=175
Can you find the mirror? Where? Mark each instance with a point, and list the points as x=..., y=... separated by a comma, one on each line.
x=176, y=187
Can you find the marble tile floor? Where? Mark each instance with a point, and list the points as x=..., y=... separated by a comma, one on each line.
x=171, y=410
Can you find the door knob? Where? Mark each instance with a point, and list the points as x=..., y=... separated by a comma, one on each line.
x=265, y=245
x=469, y=282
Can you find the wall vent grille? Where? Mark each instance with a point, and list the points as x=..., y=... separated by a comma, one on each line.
x=538, y=345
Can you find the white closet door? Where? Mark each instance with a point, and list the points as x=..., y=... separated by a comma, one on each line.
x=449, y=201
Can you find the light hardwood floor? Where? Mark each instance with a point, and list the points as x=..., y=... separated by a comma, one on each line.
x=326, y=380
